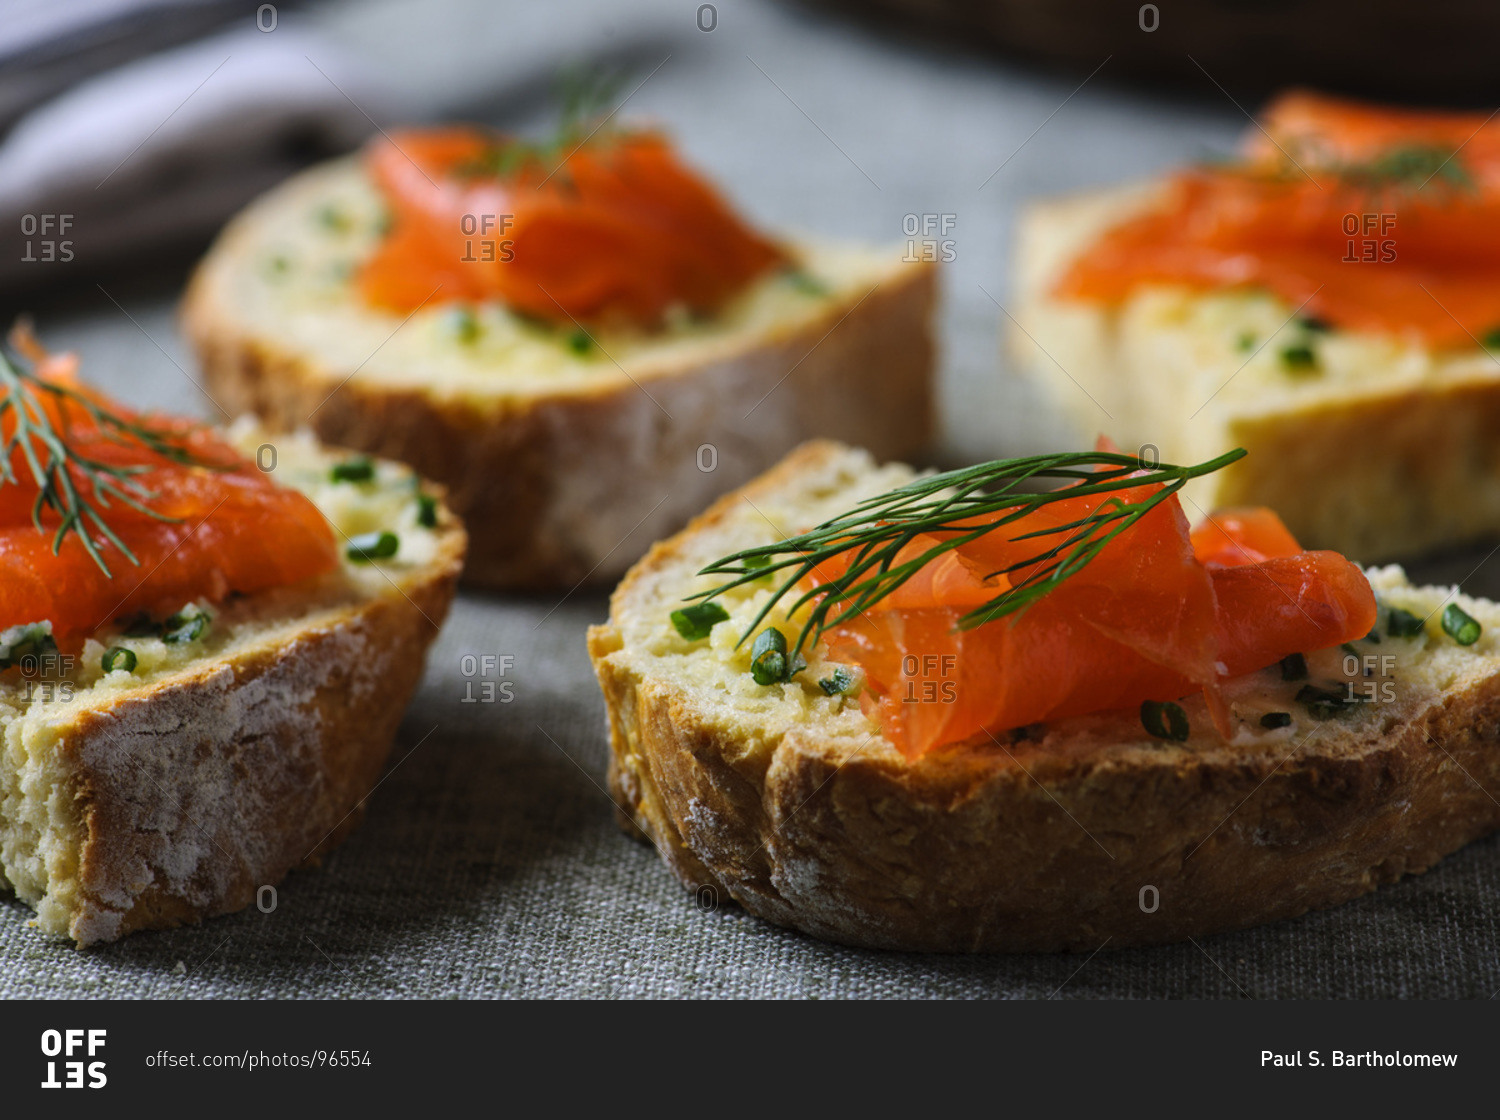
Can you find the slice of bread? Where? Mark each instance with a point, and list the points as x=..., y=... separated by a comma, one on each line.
x=1381, y=450
x=1066, y=836
x=564, y=465
x=191, y=784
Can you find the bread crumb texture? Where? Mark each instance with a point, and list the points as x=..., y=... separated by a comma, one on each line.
x=194, y=771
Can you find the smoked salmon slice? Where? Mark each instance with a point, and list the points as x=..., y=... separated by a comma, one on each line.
x=1372, y=219
x=234, y=530
x=615, y=230
x=1160, y=613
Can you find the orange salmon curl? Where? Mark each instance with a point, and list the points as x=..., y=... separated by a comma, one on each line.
x=615, y=231
x=231, y=528
x=1161, y=613
x=1373, y=219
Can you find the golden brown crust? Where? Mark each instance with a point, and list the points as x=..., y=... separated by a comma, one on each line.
x=1067, y=845
x=215, y=782
x=563, y=488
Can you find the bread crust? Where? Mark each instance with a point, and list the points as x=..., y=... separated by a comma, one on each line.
x=1073, y=843
x=196, y=793
x=569, y=487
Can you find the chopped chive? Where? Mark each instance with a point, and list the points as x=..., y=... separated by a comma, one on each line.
x=1299, y=359
x=33, y=640
x=1374, y=635
x=1403, y=624
x=372, y=546
x=119, y=657
x=768, y=662
x=331, y=217
x=278, y=265
x=1245, y=342
x=1165, y=720
x=1462, y=627
x=806, y=283
x=1294, y=667
x=1313, y=323
x=463, y=324
x=187, y=625
x=1348, y=648
x=694, y=622
x=427, y=511
x=579, y=342
x=1491, y=339
x=1272, y=720
x=838, y=683
x=359, y=469
x=1325, y=703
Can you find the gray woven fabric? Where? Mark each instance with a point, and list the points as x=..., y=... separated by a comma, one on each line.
x=489, y=863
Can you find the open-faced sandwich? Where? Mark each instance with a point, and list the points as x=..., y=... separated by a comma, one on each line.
x=580, y=338
x=207, y=640
x=952, y=712
x=1329, y=300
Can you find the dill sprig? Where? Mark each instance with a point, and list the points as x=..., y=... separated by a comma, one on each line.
x=586, y=94
x=70, y=484
x=878, y=528
x=1399, y=169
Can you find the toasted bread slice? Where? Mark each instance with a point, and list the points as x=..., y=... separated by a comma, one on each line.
x=190, y=784
x=565, y=465
x=1398, y=440
x=1067, y=836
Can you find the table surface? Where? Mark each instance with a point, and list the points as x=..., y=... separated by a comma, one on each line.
x=489, y=863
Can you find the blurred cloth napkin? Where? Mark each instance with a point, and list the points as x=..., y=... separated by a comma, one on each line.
x=167, y=145
x=139, y=150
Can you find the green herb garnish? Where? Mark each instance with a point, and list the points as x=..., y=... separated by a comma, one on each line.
x=427, y=511
x=1403, y=624
x=579, y=342
x=1299, y=359
x=1245, y=342
x=806, y=283
x=1273, y=720
x=1491, y=339
x=463, y=324
x=1313, y=323
x=118, y=657
x=1325, y=703
x=1294, y=667
x=71, y=486
x=1163, y=719
x=945, y=505
x=839, y=683
x=585, y=94
x=30, y=640
x=695, y=622
x=1462, y=627
x=372, y=546
x=768, y=659
x=333, y=218
x=360, y=469
x=187, y=625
